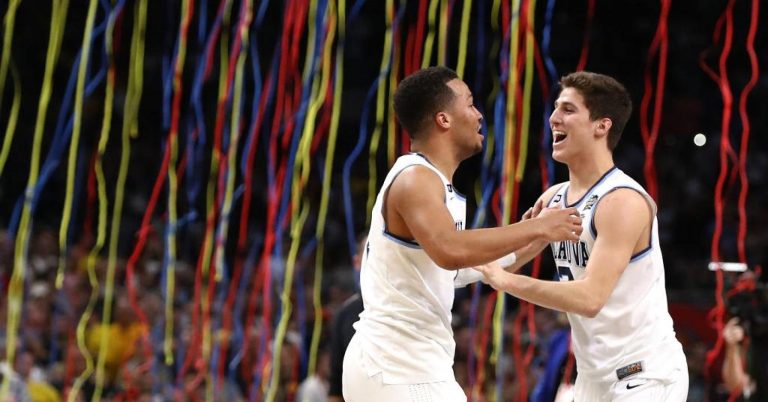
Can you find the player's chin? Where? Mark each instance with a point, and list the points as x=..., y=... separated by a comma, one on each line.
x=478, y=146
x=559, y=156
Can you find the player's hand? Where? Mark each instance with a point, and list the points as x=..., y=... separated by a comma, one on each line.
x=533, y=211
x=493, y=273
x=733, y=333
x=558, y=224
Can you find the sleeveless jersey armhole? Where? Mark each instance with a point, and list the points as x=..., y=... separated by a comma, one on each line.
x=644, y=250
x=385, y=198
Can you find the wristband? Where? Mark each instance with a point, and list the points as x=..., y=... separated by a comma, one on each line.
x=507, y=260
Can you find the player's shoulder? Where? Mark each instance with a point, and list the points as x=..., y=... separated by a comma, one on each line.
x=624, y=204
x=625, y=198
x=547, y=196
x=418, y=176
x=416, y=181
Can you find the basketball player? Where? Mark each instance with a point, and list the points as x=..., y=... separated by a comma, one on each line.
x=403, y=346
x=612, y=278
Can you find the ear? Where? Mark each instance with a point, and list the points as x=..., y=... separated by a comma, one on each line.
x=603, y=127
x=443, y=120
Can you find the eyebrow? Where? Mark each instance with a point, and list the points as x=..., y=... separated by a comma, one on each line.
x=565, y=103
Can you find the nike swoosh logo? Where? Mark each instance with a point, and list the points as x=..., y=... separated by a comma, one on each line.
x=629, y=386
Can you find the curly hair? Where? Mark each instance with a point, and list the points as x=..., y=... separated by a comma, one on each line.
x=422, y=94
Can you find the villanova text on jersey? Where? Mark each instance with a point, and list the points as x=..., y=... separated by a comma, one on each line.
x=574, y=253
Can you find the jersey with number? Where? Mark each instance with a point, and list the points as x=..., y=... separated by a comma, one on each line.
x=405, y=327
x=633, y=331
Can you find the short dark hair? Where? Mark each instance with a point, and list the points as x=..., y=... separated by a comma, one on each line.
x=422, y=94
x=604, y=97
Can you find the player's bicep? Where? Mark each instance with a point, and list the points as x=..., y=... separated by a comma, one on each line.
x=419, y=198
x=620, y=220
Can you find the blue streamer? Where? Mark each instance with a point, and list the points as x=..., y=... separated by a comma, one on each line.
x=356, y=9
x=546, y=140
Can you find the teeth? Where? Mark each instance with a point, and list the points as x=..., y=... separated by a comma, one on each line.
x=559, y=135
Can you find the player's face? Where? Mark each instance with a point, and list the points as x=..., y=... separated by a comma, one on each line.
x=466, y=119
x=573, y=133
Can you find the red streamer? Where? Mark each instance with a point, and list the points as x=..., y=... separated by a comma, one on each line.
x=718, y=311
x=585, y=42
x=650, y=135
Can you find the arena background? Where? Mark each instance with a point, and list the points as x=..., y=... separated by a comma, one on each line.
x=177, y=216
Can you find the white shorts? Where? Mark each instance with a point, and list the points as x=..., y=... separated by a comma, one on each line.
x=357, y=386
x=637, y=388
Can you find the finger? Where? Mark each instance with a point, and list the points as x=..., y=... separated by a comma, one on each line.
x=575, y=219
x=527, y=215
x=537, y=207
x=571, y=211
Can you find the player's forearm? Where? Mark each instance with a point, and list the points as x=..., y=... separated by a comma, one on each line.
x=525, y=255
x=570, y=297
x=469, y=248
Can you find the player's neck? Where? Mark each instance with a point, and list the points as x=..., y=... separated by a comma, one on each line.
x=439, y=157
x=584, y=173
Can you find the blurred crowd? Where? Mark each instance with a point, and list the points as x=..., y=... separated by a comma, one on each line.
x=49, y=361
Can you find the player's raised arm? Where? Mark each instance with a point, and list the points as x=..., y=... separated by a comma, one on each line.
x=417, y=207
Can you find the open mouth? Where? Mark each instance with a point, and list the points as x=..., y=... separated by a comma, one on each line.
x=558, y=136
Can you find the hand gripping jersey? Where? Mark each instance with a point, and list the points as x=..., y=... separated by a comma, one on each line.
x=405, y=328
x=633, y=332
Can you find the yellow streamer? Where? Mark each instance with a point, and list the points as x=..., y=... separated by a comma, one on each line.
x=75, y=142
x=16, y=284
x=82, y=326
x=393, y=72
x=178, y=70
x=301, y=208
x=210, y=238
x=526, y=123
x=510, y=123
x=327, y=178
x=376, y=137
x=173, y=190
x=511, y=114
x=285, y=298
x=5, y=61
x=9, y=21
x=234, y=135
x=109, y=283
x=130, y=122
x=466, y=11
x=12, y=119
x=498, y=328
x=320, y=230
x=442, y=34
x=429, y=42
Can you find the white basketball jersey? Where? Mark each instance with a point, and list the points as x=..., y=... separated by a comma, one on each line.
x=405, y=329
x=633, y=332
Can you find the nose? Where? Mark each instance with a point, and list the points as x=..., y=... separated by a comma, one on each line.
x=554, y=118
